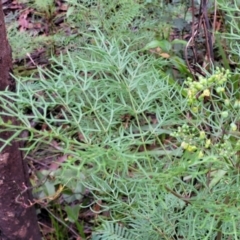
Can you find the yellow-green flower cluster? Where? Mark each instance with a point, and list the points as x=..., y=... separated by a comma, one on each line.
x=202, y=88
x=192, y=140
x=188, y=147
x=225, y=149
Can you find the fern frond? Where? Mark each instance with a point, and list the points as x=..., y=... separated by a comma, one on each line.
x=113, y=231
x=44, y=4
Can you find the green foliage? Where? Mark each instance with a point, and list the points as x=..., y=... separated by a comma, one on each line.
x=229, y=49
x=24, y=43
x=161, y=160
x=89, y=94
x=91, y=99
x=40, y=5
x=139, y=21
x=113, y=231
x=44, y=4
x=110, y=17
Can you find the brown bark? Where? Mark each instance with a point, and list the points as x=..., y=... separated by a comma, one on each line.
x=17, y=222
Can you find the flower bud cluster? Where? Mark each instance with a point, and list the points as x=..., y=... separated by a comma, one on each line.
x=198, y=90
x=225, y=149
x=214, y=89
x=192, y=140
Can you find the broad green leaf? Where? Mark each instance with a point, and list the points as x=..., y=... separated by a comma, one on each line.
x=164, y=45
x=72, y=213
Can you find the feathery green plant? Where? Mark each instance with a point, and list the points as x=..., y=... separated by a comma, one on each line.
x=113, y=231
x=89, y=94
x=85, y=101
x=161, y=160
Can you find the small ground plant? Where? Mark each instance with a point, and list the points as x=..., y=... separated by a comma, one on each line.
x=148, y=157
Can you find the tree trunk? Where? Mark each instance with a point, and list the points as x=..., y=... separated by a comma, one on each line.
x=17, y=220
